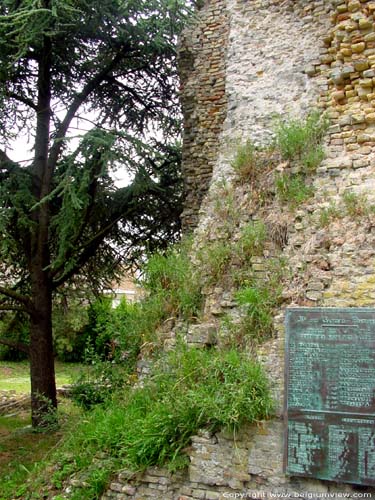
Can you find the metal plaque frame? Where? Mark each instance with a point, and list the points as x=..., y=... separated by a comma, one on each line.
x=329, y=401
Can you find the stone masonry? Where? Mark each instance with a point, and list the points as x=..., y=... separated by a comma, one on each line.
x=283, y=57
x=202, y=59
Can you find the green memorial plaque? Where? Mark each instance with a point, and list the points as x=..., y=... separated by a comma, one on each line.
x=330, y=394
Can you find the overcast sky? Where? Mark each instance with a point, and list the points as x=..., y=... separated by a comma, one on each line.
x=21, y=150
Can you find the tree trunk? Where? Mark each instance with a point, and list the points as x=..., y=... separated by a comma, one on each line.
x=42, y=369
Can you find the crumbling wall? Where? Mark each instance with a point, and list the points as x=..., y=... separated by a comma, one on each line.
x=284, y=57
x=202, y=60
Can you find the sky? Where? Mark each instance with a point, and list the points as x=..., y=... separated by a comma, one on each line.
x=21, y=150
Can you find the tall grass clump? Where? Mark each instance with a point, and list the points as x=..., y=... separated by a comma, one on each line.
x=189, y=390
x=252, y=239
x=171, y=281
x=356, y=204
x=301, y=140
x=329, y=214
x=214, y=260
x=245, y=161
x=259, y=299
x=292, y=189
x=259, y=302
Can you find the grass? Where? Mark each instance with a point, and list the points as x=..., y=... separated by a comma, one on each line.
x=190, y=389
x=15, y=375
x=357, y=205
x=135, y=427
x=292, y=189
x=252, y=240
x=328, y=214
x=171, y=278
x=258, y=298
x=245, y=162
x=214, y=260
x=21, y=449
x=252, y=162
x=301, y=140
x=259, y=303
x=353, y=205
x=23, y=452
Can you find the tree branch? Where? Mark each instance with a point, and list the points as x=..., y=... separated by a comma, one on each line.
x=125, y=208
x=13, y=308
x=91, y=191
x=16, y=345
x=77, y=102
x=6, y=163
x=22, y=99
x=87, y=251
x=23, y=299
x=10, y=166
x=133, y=92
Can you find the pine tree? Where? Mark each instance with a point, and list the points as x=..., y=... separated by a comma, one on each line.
x=62, y=220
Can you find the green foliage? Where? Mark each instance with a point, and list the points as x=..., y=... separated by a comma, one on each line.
x=328, y=214
x=259, y=295
x=214, y=259
x=313, y=158
x=24, y=454
x=225, y=205
x=47, y=415
x=116, y=335
x=356, y=205
x=252, y=239
x=170, y=279
x=259, y=302
x=63, y=220
x=298, y=141
x=16, y=329
x=69, y=323
x=292, y=189
x=190, y=389
x=99, y=379
x=301, y=140
x=251, y=164
x=245, y=161
x=99, y=331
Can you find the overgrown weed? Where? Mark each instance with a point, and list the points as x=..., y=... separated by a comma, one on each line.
x=357, y=204
x=299, y=143
x=301, y=140
x=328, y=214
x=189, y=389
x=292, y=189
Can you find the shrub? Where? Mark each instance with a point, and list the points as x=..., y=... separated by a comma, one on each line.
x=118, y=334
x=172, y=289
